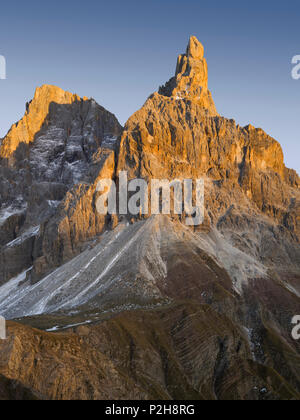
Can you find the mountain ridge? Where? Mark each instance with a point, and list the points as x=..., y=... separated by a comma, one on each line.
x=204, y=312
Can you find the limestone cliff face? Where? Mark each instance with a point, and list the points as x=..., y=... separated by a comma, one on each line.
x=76, y=220
x=179, y=134
x=250, y=196
x=53, y=148
x=179, y=137
x=36, y=114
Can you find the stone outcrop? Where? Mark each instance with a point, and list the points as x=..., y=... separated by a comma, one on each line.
x=191, y=78
x=248, y=187
x=36, y=114
x=51, y=150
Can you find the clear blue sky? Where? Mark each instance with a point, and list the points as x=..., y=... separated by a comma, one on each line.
x=119, y=52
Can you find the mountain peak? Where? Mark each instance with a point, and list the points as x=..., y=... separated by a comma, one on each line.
x=191, y=78
x=50, y=93
x=36, y=112
x=195, y=49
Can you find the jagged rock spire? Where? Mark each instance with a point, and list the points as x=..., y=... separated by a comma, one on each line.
x=191, y=78
x=195, y=49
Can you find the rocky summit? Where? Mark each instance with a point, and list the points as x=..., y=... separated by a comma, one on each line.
x=145, y=307
x=191, y=78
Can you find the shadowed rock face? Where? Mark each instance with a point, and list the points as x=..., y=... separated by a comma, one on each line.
x=154, y=309
x=14, y=391
x=53, y=148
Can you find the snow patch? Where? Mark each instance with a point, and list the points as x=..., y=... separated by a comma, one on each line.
x=10, y=211
x=53, y=203
x=34, y=231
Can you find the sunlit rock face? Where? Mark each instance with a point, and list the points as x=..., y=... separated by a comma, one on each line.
x=181, y=136
x=37, y=111
x=52, y=148
x=154, y=308
x=191, y=78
